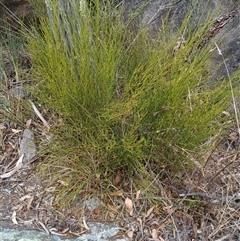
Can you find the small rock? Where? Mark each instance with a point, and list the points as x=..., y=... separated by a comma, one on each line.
x=27, y=146
x=18, y=92
x=93, y=203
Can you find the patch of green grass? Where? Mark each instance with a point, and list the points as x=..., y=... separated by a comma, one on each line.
x=127, y=101
x=192, y=203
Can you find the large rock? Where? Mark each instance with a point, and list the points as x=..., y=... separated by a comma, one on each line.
x=226, y=26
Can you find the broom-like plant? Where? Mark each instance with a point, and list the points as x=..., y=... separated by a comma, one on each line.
x=125, y=99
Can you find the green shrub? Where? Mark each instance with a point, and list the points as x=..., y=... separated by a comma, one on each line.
x=125, y=99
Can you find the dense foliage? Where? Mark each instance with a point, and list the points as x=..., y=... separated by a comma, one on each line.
x=127, y=101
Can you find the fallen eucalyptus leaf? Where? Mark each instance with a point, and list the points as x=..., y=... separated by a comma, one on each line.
x=129, y=206
x=118, y=193
x=130, y=234
x=149, y=212
x=138, y=194
x=18, y=165
x=168, y=210
x=154, y=233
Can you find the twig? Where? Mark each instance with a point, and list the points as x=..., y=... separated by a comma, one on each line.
x=210, y=155
x=43, y=226
x=215, y=199
x=39, y=115
x=85, y=224
x=224, y=238
x=18, y=166
x=230, y=163
x=175, y=226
